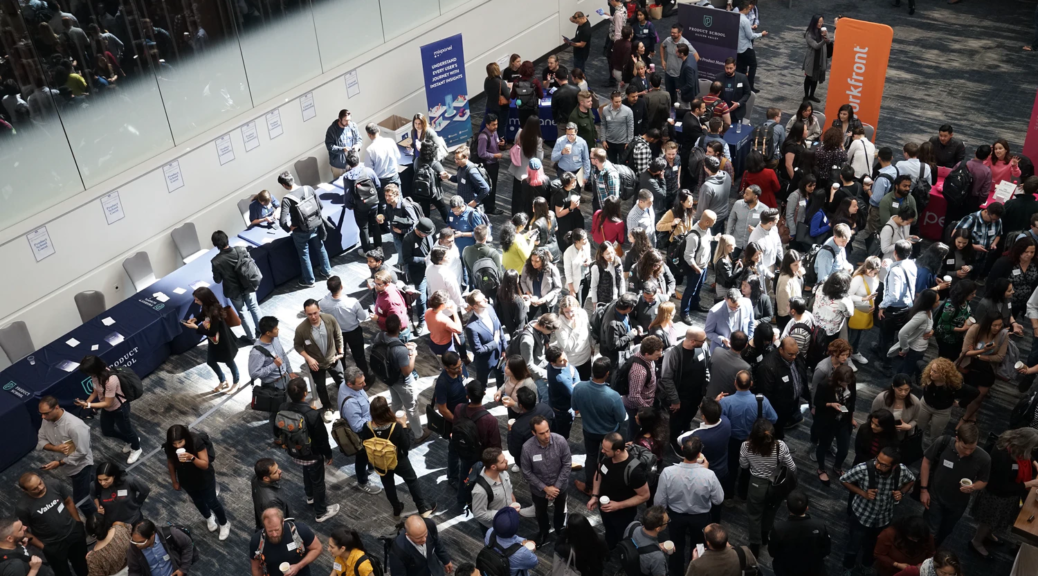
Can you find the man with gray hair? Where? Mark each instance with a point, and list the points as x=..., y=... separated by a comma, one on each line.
x=571, y=154
x=283, y=541
x=744, y=218
x=734, y=313
x=685, y=373
x=696, y=261
x=355, y=409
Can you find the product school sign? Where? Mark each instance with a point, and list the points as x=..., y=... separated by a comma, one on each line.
x=446, y=91
x=714, y=34
x=859, y=69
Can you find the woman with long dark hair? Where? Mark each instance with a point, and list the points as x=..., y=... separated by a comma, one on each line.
x=831, y=157
x=222, y=344
x=816, y=61
x=1020, y=268
x=348, y=553
x=541, y=281
x=878, y=432
x=608, y=281
x=1003, y=165
x=982, y=350
x=793, y=147
x=753, y=288
x=796, y=211
x=108, y=556
x=515, y=243
x=999, y=299
x=497, y=93
x=118, y=497
x=846, y=213
x=108, y=394
x=904, y=405
x=818, y=227
x=425, y=155
x=680, y=218
x=579, y=547
x=790, y=285
x=928, y=268
x=652, y=431
x=652, y=267
x=914, y=337
x=906, y=542
x=607, y=224
x=190, y=468
x=760, y=456
x=951, y=325
x=517, y=375
x=577, y=263
x=547, y=226
x=834, y=418
x=757, y=173
x=640, y=244
x=963, y=253
x=805, y=114
x=531, y=145
x=385, y=425
x=1012, y=477
x=509, y=303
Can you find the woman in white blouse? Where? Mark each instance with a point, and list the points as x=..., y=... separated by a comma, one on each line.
x=576, y=262
x=863, y=295
x=574, y=336
x=833, y=306
x=914, y=337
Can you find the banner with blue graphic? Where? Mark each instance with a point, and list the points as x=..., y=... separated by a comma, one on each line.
x=446, y=91
x=713, y=32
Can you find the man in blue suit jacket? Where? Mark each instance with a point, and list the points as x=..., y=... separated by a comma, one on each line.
x=486, y=338
x=732, y=314
x=688, y=77
x=418, y=551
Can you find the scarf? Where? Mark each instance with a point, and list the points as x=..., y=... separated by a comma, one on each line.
x=1023, y=472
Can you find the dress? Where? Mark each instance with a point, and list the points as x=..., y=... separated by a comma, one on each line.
x=112, y=558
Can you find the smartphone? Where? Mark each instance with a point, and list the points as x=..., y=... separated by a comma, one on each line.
x=700, y=549
x=843, y=408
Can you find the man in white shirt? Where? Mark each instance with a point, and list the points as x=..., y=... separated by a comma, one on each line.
x=383, y=158
x=453, y=261
x=896, y=229
x=349, y=313
x=911, y=165
x=439, y=277
x=861, y=153
x=642, y=215
x=766, y=236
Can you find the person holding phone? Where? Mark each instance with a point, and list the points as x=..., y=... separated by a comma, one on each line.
x=834, y=418
x=211, y=323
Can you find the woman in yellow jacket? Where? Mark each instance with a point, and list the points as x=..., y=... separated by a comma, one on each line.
x=680, y=218
x=348, y=552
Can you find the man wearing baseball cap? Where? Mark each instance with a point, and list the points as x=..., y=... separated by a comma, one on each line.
x=581, y=41
x=417, y=245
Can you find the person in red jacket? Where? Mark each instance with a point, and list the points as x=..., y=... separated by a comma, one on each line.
x=389, y=301
x=758, y=173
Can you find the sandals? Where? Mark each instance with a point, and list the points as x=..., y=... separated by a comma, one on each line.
x=826, y=481
x=222, y=386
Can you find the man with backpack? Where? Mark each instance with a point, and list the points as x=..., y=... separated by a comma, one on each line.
x=18, y=555
x=636, y=381
x=417, y=245
x=620, y=486
x=491, y=489
x=898, y=297
x=389, y=301
x=355, y=409
x=980, y=185
x=617, y=332
x=506, y=553
x=604, y=178
x=769, y=136
x=393, y=362
x=719, y=557
x=114, y=390
x=641, y=553
x=483, y=262
x=488, y=155
x=283, y=541
x=361, y=194
x=546, y=463
x=266, y=489
x=530, y=342
x=470, y=178
x=694, y=253
x=403, y=215
x=301, y=216
x=160, y=550
x=235, y=269
x=302, y=434
x=876, y=487
x=473, y=430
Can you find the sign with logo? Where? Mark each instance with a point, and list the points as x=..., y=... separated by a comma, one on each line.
x=17, y=391
x=859, y=69
x=446, y=90
x=713, y=33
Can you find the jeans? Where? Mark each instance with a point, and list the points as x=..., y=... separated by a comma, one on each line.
x=910, y=363
x=116, y=424
x=483, y=373
x=681, y=421
x=759, y=511
x=671, y=85
x=406, y=472
x=826, y=433
x=398, y=244
x=422, y=287
x=615, y=523
x=893, y=320
x=746, y=62
x=581, y=61
x=540, y=506
x=942, y=519
x=319, y=379
x=693, y=284
x=355, y=340
x=682, y=527
x=404, y=396
x=855, y=336
x=862, y=538
x=361, y=466
x=212, y=362
x=207, y=503
x=240, y=303
x=490, y=202
x=313, y=485
x=81, y=484
x=70, y=549
x=453, y=462
x=306, y=241
x=369, y=229
x=729, y=483
x=615, y=151
x=592, y=447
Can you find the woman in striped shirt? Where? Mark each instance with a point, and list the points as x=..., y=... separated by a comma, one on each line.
x=761, y=454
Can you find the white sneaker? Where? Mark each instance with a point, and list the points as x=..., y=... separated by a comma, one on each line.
x=857, y=357
x=853, y=367
x=332, y=511
x=370, y=487
x=210, y=522
x=127, y=449
x=225, y=531
x=310, y=501
x=134, y=455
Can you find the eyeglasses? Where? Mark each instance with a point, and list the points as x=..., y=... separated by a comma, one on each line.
x=42, y=413
x=139, y=544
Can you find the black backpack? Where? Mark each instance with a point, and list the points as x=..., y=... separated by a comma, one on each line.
x=631, y=554
x=486, y=275
x=365, y=194
x=639, y=456
x=763, y=141
x=465, y=437
x=426, y=183
x=811, y=275
x=958, y=184
x=514, y=342
x=525, y=95
x=376, y=567
x=473, y=479
x=596, y=322
x=166, y=532
x=495, y=561
x=621, y=382
x=306, y=211
x=130, y=383
x=628, y=181
x=870, y=470
x=381, y=361
x=812, y=342
x=1023, y=412
x=245, y=268
x=676, y=250
x=710, y=107
x=921, y=190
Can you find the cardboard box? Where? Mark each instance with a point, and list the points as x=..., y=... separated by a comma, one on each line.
x=396, y=128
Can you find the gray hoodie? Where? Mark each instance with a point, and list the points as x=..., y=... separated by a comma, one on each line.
x=713, y=195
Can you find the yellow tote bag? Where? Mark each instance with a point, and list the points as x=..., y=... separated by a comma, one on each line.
x=861, y=320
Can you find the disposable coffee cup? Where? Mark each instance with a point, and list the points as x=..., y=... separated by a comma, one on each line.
x=947, y=278
x=411, y=345
x=868, y=180
x=824, y=31
x=603, y=500
x=400, y=414
x=181, y=450
x=516, y=505
x=966, y=482
x=284, y=567
x=531, y=545
x=668, y=547
x=836, y=186
x=510, y=422
x=1020, y=366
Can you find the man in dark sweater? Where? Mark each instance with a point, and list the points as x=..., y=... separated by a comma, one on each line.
x=266, y=489
x=564, y=100
x=418, y=244
x=800, y=544
x=947, y=149
x=226, y=265
x=735, y=90
x=320, y=449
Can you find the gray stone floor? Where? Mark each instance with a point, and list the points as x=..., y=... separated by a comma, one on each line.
x=960, y=64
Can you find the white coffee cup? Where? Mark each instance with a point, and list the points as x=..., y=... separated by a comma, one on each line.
x=947, y=278
x=284, y=567
x=966, y=482
x=824, y=31
x=400, y=414
x=668, y=547
x=868, y=180
x=1020, y=366
x=531, y=545
x=181, y=451
x=510, y=422
x=516, y=505
x=836, y=186
x=603, y=499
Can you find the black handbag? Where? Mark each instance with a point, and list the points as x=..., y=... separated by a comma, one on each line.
x=267, y=398
x=436, y=422
x=782, y=480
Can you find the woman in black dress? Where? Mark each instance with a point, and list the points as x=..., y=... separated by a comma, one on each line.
x=509, y=304
x=834, y=417
x=212, y=324
x=190, y=464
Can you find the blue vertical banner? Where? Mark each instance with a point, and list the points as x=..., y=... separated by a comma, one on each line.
x=446, y=91
x=714, y=33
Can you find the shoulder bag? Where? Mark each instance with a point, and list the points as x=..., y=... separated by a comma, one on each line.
x=782, y=480
x=861, y=320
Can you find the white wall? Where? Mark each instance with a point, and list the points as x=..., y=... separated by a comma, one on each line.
x=89, y=252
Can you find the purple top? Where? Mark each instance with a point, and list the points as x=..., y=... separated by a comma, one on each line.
x=487, y=147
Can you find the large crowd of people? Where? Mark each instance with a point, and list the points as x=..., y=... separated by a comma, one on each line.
x=814, y=271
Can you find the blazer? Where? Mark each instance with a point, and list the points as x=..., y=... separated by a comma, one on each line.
x=303, y=340
x=799, y=546
x=717, y=321
x=405, y=560
x=773, y=378
x=487, y=350
x=551, y=284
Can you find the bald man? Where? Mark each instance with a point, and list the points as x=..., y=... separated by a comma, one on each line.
x=782, y=379
x=418, y=550
x=686, y=371
x=281, y=544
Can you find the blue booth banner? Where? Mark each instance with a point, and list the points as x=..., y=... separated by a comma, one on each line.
x=714, y=33
x=446, y=91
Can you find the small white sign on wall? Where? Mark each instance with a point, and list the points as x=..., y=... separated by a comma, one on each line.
x=174, y=178
x=352, y=84
x=274, y=128
x=113, y=207
x=250, y=136
x=224, y=149
x=306, y=102
x=39, y=241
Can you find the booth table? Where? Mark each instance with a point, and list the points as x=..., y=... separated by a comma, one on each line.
x=738, y=139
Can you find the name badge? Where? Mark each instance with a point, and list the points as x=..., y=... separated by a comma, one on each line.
x=949, y=464
x=803, y=203
x=785, y=378
x=337, y=567
x=604, y=469
x=576, y=157
x=759, y=358
x=699, y=357
x=462, y=180
x=1009, y=305
x=895, y=204
x=537, y=457
x=122, y=493
x=1016, y=467
x=61, y=507
x=307, y=342
x=739, y=85
x=674, y=168
x=291, y=546
x=951, y=261
x=1017, y=272
x=165, y=557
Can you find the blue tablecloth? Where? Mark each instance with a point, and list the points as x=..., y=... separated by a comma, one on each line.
x=549, y=132
x=138, y=333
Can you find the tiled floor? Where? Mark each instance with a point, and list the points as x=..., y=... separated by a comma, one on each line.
x=958, y=64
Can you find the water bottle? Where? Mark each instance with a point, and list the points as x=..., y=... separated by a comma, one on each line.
x=738, y=128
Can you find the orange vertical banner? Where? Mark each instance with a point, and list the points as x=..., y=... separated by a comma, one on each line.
x=859, y=69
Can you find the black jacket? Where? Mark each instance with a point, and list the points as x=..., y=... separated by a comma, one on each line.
x=773, y=378
x=224, y=265
x=616, y=337
x=315, y=425
x=265, y=496
x=641, y=112
x=734, y=89
x=563, y=101
x=521, y=431
x=179, y=546
x=799, y=546
x=403, y=218
x=415, y=249
x=405, y=560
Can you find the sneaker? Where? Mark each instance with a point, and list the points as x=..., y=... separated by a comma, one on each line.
x=813, y=456
x=310, y=501
x=857, y=357
x=127, y=449
x=428, y=512
x=210, y=523
x=370, y=487
x=332, y=511
x=305, y=285
x=853, y=367
x=134, y=455
x=528, y=512
x=225, y=531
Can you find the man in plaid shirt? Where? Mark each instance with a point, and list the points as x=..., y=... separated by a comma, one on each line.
x=986, y=227
x=877, y=488
x=605, y=180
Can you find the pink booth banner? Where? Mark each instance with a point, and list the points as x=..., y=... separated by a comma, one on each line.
x=932, y=225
